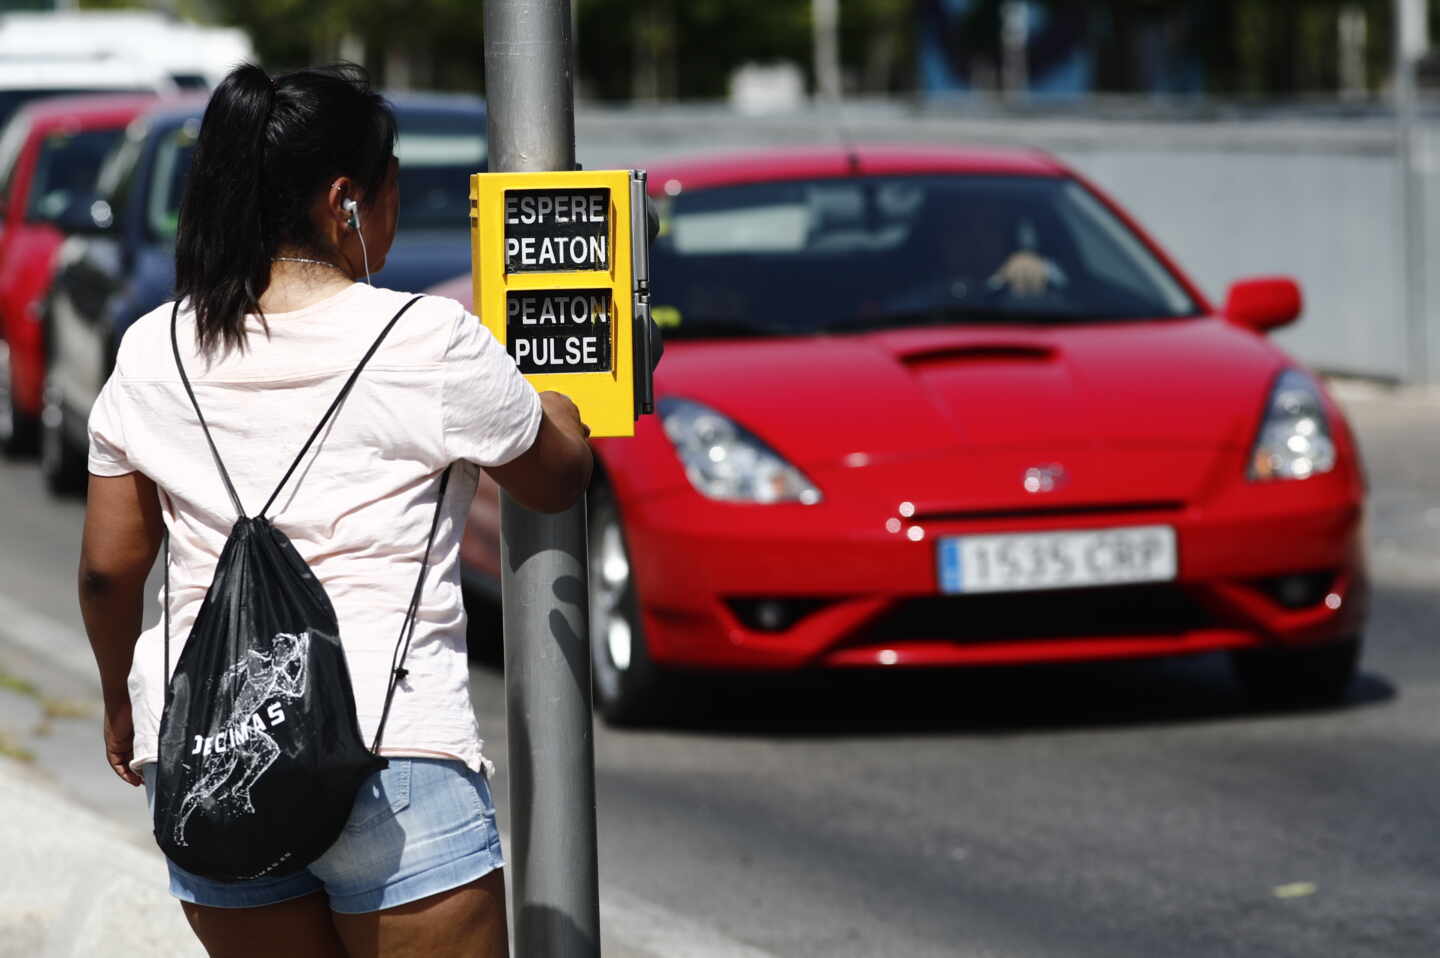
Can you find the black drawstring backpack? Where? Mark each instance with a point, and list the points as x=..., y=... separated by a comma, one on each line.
x=260, y=750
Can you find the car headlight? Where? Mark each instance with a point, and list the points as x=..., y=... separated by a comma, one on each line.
x=725, y=461
x=1295, y=440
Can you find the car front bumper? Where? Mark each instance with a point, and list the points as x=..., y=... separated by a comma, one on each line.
x=849, y=586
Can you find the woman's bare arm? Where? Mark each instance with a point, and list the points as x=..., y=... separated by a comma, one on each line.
x=554, y=472
x=123, y=531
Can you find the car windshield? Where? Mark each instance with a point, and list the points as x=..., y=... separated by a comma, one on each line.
x=436, y=154
x=172, y=164
x=68, y=164
x=865, y=253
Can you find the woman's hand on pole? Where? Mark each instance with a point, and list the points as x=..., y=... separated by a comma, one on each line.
x=553, y=474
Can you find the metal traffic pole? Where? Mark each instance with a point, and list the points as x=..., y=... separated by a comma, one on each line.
x=554, y=873
x=1410, y=42
x=1410, y=212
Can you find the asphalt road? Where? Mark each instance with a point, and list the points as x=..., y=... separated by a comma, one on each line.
x=1138, y=809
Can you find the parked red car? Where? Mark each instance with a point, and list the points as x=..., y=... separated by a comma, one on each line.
x=946, y=407
x=50, y=150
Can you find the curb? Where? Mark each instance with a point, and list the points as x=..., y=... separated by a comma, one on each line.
x=79, y=884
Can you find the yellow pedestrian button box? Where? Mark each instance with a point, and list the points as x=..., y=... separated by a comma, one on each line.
x=560, y=267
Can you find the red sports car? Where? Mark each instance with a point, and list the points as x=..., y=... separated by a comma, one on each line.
x=50, y=154
x=951, y=407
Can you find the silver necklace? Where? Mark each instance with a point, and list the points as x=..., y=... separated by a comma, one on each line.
x=301, y=259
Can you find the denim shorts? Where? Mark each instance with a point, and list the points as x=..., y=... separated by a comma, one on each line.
x=419, y=827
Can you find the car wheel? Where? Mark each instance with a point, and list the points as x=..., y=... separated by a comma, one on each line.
x=62, y=465
x=628, y=686
x=18, y=431
x=1313, y=676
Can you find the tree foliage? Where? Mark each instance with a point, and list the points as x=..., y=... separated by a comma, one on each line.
x=663, y=49
x=691, y=47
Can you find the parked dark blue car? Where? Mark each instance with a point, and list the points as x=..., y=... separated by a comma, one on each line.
x=119, y=261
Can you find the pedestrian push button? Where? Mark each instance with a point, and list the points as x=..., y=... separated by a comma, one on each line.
x=560, y=269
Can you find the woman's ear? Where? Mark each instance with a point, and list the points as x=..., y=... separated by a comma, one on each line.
x=353, y=208
x=343, y=203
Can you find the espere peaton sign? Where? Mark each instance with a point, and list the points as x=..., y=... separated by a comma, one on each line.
x=554, y=268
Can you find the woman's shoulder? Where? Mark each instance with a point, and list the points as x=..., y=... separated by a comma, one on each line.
x=145, y=351
x=422, y=335
x=428, y=323
x=428, y=307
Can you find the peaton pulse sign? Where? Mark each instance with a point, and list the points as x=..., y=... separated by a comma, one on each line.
x=562, y=283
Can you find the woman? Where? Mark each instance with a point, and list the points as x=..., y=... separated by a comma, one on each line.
x=291, y=199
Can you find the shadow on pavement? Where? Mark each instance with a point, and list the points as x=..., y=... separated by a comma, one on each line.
x=985, y=700
x=979, y=700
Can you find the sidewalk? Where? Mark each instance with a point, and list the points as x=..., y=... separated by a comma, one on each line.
x=75, y=884
x=76, y=875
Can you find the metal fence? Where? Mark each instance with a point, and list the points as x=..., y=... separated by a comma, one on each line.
x=1315, y=196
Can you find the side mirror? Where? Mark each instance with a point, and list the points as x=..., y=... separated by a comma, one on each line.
x=1263, y=303
x=85, y=213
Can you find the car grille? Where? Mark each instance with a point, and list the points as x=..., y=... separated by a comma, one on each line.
x=1009, y=617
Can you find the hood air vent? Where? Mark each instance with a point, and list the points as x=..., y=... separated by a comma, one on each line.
x=977, y=353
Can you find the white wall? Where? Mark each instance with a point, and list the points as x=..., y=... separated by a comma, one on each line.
x=1316, y=199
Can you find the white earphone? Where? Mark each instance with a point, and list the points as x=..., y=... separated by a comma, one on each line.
x=353, y=208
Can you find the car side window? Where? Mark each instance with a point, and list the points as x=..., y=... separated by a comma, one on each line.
x=12, y=142
x=117, y=174
x=66, y=170
x=167, y=187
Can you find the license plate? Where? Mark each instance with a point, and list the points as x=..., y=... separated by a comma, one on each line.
x=1020, y=562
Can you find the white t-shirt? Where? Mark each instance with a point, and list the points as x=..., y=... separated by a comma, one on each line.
x=440, y=390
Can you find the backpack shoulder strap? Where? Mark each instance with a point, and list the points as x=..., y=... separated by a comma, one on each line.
x=344, y=391
x=407, y=628
x=224, y=476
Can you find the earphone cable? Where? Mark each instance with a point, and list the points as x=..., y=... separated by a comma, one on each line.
x=352, y=206
x=364, y=253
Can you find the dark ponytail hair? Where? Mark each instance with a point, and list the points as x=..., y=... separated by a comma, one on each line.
x=266, y=150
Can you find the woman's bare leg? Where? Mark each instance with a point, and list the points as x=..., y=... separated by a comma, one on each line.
x=299, y=928
x=464, y=922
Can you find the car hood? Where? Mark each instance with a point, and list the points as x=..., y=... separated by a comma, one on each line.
x=1153, y=403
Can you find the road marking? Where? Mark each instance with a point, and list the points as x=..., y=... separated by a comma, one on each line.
x=1298, y=889
x=639, y=928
